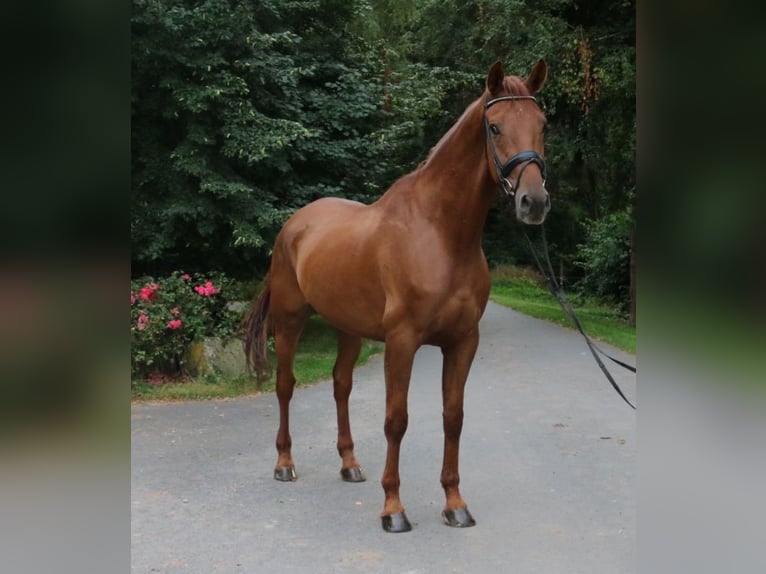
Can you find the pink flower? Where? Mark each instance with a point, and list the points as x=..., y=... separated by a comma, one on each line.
x=175, y=310
x=132, y=297
x=149, y=292
x=186, y=277
x=143, y=321
x=207, y=289
x=175, y=324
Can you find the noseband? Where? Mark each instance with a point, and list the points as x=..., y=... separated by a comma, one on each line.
x=525, y=157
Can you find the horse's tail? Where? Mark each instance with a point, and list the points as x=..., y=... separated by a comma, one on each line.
x=255, y=326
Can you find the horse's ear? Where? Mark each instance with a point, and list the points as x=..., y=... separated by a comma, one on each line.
x=495, y=78
x=537, y=77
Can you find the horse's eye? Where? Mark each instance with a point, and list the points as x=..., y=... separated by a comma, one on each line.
x=494, y=129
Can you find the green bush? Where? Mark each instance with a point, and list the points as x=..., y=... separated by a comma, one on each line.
x=604, y=258
x=167, y=314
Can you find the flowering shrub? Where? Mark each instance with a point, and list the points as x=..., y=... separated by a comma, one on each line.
x=166, y=315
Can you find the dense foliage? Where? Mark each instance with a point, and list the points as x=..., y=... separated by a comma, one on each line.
x=604, y=257
x=245, y=111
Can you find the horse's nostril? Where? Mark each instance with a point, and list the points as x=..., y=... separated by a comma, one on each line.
x=525, y=201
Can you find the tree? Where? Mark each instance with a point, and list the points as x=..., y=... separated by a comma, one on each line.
x=244, y=112
x=212, y=115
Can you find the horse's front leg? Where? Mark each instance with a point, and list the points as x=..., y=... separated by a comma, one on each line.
x=457, y=362
x=399, y=355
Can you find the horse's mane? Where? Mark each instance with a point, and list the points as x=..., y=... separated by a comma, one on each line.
x=512, y=86
x=448, y=134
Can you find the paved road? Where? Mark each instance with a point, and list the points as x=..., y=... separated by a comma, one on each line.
x=547, y=468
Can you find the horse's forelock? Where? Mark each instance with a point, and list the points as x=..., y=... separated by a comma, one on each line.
x=515, y=86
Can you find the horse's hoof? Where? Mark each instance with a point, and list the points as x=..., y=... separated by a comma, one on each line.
x=285, y=473
x=353, y=474
x=458, y=517
x=396, y=522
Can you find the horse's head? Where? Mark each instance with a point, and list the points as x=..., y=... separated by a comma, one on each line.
x=514, y=126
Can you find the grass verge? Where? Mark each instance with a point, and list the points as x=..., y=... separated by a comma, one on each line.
x=314, y=361
x=523, y=291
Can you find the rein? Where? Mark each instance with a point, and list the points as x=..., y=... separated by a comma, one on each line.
x=558, y=293
x=526, y=157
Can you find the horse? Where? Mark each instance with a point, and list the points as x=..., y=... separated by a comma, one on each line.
x=408, y=270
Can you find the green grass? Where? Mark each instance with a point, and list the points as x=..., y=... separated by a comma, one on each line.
x=523, y=292
x=194, y=389
x=315, y=357
x=314, y=361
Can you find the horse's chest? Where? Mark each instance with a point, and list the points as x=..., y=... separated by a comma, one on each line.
x=462, y=307
x=458, y=313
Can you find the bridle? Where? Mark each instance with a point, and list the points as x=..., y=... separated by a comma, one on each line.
x=525, y=157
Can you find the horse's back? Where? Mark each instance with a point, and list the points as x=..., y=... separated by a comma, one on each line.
x=312, y=226
x=326, y=208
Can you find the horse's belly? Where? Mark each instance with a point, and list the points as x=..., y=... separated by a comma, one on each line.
x=337, y=272
x=360, y=324
x=347, y=293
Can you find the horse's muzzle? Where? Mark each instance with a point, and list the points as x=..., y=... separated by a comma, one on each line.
x=532, y=207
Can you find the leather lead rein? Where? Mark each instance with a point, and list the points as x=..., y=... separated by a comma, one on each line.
x=558, y=293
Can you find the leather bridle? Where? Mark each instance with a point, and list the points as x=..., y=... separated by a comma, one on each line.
x=526, y=157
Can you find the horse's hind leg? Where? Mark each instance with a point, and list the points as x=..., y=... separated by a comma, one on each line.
x=349, y=347
x=287, y=332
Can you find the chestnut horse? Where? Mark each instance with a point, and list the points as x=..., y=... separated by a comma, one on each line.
x=408, y=270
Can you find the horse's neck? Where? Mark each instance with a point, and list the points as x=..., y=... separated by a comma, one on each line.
x=454, y=186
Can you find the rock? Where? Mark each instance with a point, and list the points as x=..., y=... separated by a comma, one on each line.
x=238, y=306
x=214, y=356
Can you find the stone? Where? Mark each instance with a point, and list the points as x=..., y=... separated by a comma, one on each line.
x=214, y=356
